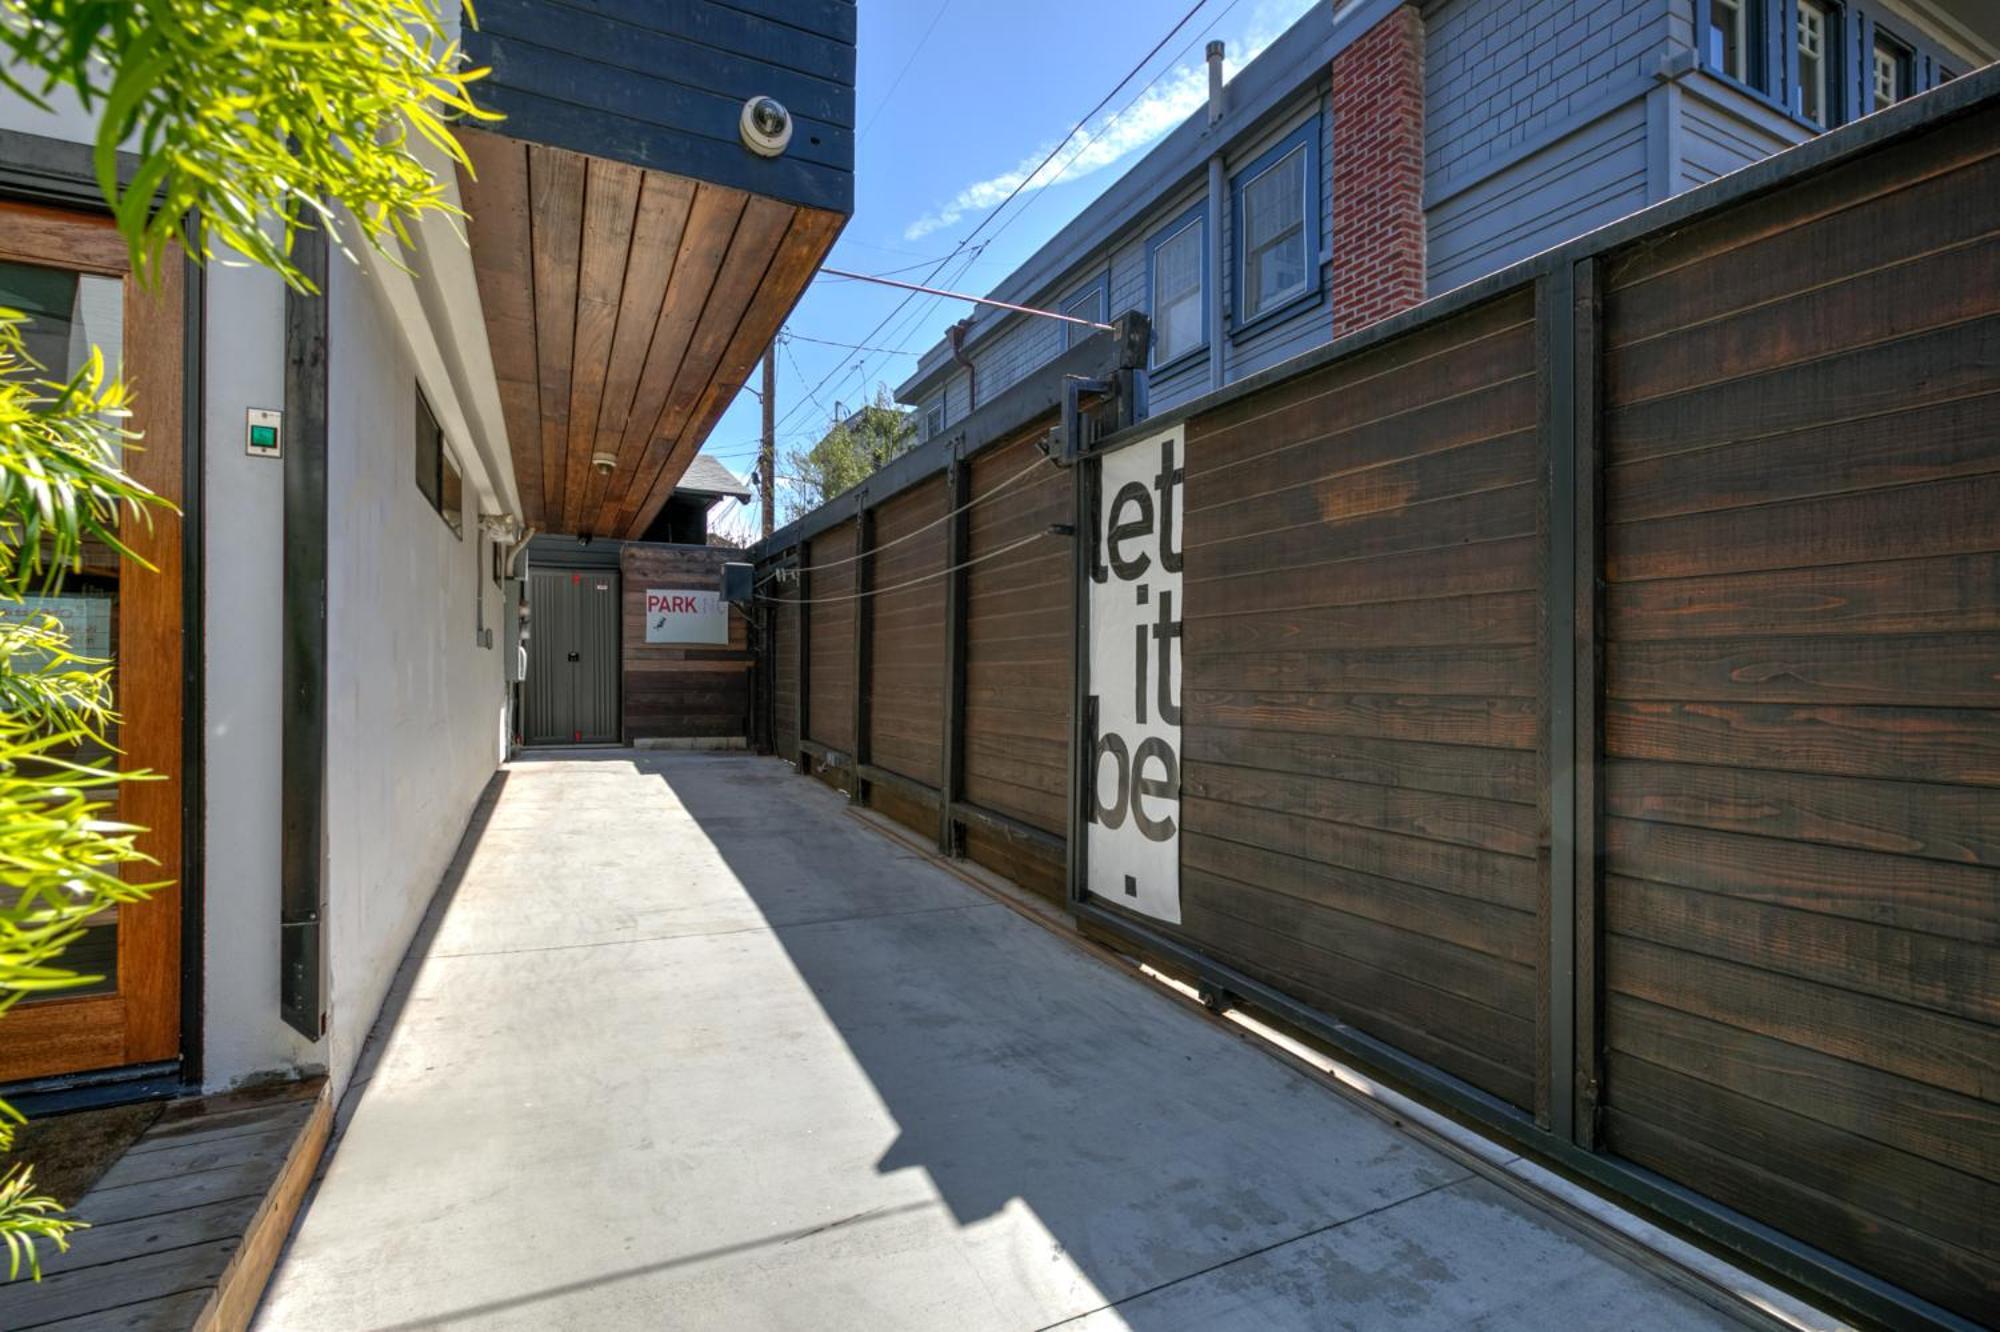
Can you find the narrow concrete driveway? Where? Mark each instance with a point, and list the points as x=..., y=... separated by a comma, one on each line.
x=692, y=1047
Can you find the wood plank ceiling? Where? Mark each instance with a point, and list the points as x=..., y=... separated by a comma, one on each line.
x=625, y=307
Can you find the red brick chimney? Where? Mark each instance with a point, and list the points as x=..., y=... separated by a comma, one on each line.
x=1378, y=172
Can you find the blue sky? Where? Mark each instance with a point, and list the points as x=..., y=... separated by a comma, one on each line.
x=955, y=102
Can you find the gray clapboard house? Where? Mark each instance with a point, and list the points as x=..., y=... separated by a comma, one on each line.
x=1383, y=151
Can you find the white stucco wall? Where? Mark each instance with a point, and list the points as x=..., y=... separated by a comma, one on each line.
x=414, y=702
x=415, y=706
x=242, y=648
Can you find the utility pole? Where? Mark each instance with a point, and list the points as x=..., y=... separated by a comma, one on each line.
x=767, y=456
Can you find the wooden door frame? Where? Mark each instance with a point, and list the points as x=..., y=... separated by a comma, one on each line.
x=148, y=1030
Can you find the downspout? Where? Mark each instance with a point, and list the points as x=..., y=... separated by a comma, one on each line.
x=514, y=552
x=1217, y=320
x=958, y=332
x=302, y=961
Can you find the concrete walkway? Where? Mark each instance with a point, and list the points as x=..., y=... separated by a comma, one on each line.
x=692, y=1047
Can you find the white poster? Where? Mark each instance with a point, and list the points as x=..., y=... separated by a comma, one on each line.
x=681, y=615
x=1132, y=847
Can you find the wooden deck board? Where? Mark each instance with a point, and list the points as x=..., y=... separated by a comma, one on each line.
x=185, y=1226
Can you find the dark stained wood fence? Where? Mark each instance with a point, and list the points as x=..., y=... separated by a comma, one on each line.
x=829, y=584
x=1359, y=820
x=906, y=682
x=782, y=663
x=1018, y=672
x=1801, y=447
x=673, y=691
x=1591, y=701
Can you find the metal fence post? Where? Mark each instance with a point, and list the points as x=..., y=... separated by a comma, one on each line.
x=864, y=628
x=1556, y=1005
x=1566, y=302
x=804, y=647
x=1587, y=731
x=957, y=541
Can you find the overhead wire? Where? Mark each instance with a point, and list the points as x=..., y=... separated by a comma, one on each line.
x=851, y=346
x=897, y=82
x=964, y=296
x=919, y=580
x=1022, y=183
x=1004, y=485
x=1116, y=116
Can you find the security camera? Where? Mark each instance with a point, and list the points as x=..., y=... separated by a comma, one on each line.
x=604, y=462
x=766, y=126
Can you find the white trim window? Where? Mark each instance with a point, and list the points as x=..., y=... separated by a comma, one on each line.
x=1890, y=67
x=1089, y=303
x=934, y=418
x=1729, y=38
x=1815, y=78
x=1275, y=266
x=1179, y=310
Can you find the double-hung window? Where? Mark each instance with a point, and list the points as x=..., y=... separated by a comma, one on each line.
x=1092, y=302
x=1732, y=36
x=1277, y=226
x=1892, y=70
x=1176, y=261
x=1818, y=41
x=934, y=418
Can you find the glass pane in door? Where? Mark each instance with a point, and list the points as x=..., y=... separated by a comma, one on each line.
x=68, y=313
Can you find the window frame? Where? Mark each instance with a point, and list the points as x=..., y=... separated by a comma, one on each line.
x=1854, y=28
x=1833, y=75
x=1098, y=286
x=1194, y=216
x=1304, y=138
x=934, y=428
x=445, y=469
x=1750, y=43
x=1879, y=36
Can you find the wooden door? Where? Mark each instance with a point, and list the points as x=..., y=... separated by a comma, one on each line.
x=133, y=614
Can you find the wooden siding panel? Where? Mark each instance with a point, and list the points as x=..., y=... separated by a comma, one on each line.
x=1802, y=713
x=675, y=691
x=495, y=190
x=555, y=187
x=610, y=211
x=906, y=682
x=1360, y=681
x=829, y=612
x=1018, y=667
x=784, y=667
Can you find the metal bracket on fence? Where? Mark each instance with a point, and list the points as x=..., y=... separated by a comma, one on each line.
x=1076, y=390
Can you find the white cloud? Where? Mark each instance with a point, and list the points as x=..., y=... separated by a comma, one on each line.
x=1121, y=131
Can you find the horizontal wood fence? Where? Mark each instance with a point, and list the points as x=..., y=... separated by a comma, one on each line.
x=672, y=691
x=1590, y=698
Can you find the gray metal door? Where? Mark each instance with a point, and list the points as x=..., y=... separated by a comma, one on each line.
x=572, y=685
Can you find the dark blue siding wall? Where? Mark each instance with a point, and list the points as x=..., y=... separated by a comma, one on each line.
x=661, y=84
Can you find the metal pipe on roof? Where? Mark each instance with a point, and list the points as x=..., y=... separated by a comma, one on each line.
x=958, y=332
x=1214, y=81
x=1212, y=280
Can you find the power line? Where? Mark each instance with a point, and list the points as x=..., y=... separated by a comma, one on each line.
x=851, y=346
x=995, y=553
x=962, y=296
x=1019, y=185
x=897, y=82
x=875, y=550
x=1119, y=114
